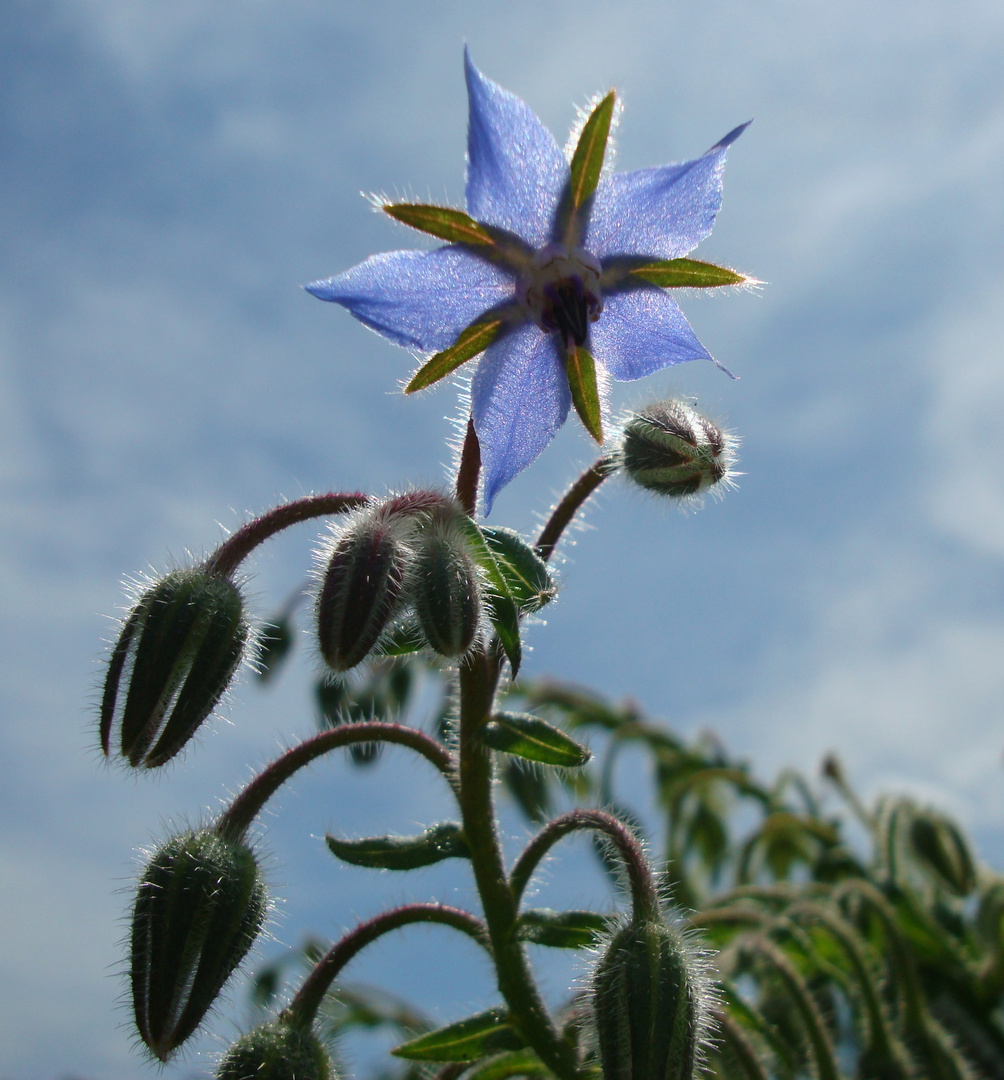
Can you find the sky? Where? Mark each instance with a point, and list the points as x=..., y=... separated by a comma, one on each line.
x=173, y=173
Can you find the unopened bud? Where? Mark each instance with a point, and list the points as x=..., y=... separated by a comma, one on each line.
x=940, y=843
x=173, y=661
x=650, y=1004
x=199, y=906
x=446, y=589
x=360, y=591
x=277, y=1051
x=671, y=449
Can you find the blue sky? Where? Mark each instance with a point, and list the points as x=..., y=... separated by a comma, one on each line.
x=173, y=172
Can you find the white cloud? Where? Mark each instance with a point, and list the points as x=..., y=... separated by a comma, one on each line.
x=965, y=437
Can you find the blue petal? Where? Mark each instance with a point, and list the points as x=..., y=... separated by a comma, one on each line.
x=419, y=299
x=519, y=399
x=641, y=331
x=515, y=170
x=665, y=212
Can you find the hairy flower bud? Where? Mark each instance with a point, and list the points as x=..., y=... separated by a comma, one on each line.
x=200, y=905
x=175, y=657
x=360, y=591
x=446, y=589
x=940, y=844
x=672, y=450
x=276, y=1051
x=650, y=1004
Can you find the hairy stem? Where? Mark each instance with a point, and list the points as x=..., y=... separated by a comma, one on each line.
x=232, y=552
x=303, y=1008
x=562, y=515
x=248, y=804
x=644, y=893
x=479, y=674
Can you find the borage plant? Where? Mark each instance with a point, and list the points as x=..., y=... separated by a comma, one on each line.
x=561, y=274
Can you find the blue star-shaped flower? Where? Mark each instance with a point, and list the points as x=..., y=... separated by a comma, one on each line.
x=555, y=260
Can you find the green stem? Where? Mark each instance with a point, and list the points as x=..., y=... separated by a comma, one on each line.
x=248, y=804
x=303, y=1008
x=232, y=552
x=644, y=893
x=562, y=515
x=479, y=674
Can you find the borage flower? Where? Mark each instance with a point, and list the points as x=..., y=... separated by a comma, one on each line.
x=556, y=260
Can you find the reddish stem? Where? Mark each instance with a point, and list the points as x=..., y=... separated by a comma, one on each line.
x=232, y=552
x=248, y=804
x=565, y=511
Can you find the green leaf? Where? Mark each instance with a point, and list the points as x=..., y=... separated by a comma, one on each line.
x=525, y=572
x=587, y=160
x=581, y=370
x=445, y=841
x=502, y=1066
x=475, y=339
x=502, y=609
x=688, y=274
x=467, y=1040
x=581, y=708
x=454, y=226
x=530, y=737
x=561, y=929
x=530, y=787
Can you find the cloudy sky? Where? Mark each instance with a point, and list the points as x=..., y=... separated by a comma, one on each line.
x=172, y=173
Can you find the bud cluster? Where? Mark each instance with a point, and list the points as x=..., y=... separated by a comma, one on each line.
x=200, y=904
x=651, y=1003
x=670, y=449
x=409, y=557
x=276, y=1051
x=175, y=657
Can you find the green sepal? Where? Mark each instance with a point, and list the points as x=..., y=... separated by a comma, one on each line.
x=581, y=369
x=524, y=570
x=402, y=639
x=587, y=161
x=448, y=224
x=486, y=1033
x=275, y=641
x=502, y=609
x=687, y=274
x=529, y=737
x=445, y=841
x=475, y=339
x=561, y=929
x=514, y=1063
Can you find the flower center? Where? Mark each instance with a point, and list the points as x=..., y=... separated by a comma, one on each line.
x=561, y=291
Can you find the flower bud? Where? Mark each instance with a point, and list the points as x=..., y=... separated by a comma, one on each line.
x=175, y=657
x=200, y=905
x=672, y=450
x=650, y=1004
x=276, y=1051
x=446, y=589
x=360, y=591
x=939, y=842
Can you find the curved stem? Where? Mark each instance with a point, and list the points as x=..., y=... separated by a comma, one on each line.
x=248, y=804
x=479, y=674
x=819, y=1041
x=303, y=1008
x=229, y=555
x=644, y=893
x=571, y=503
